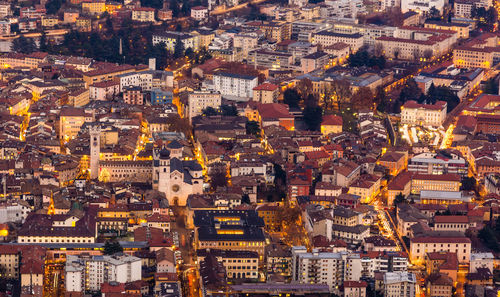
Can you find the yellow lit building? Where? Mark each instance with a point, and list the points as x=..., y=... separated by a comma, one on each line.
x=238, y=264
x=50, y=21
x=94, y=7
x=432, y=182
x=143, y=14
x=420, y=246
x=70, y=121
x=460, y=28
x=79, y=97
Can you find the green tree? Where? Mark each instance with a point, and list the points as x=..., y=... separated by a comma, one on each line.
x=381, y=99
x=112, y=247
x=489, y=238
x=218, y=175
x=490, y=87
x=53, y=6
x=23, y=45
x=174, y=6
x=158, y=4
x=292, y=98
x=468, y=184
x=434, y=13
x=178, y=48
x=43, y=42
x=209, y=111
x=245, y=199
x=313, y=116
x=228, y=110
x=399, y=199
x=186, y=8
x=253, y=128
x=410, y=91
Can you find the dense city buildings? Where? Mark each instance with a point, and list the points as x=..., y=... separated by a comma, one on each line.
x=252, y=147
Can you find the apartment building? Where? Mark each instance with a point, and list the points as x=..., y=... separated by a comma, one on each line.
x=421, y=5
x=143, y=14
x=317, y=268
x=170, y=38
x=238, y=87
x=70, y=122
x=463, y=8
x=238, y=264
x=199, y=13
x=317, y=60
x=370, y=32
x=272, y=60
x=87, y=273
x=104, y=90
x=327, y=38
x=133, y=96
x=420, y=246
x=438, y=163
x=94, y=7
x=460, y=28
x=199, y=100
x=5, y=9
x=266, y=93
x=399, y=284
x=246, y=41
x=276, y=31
x=433, y=182
x=143, y=79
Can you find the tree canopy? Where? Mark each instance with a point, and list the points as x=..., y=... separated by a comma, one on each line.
x=23, y=45
x=112, y=247
x=363, y=58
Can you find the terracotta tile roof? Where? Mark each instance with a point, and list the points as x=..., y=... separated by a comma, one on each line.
x=332, y=120
x=265, y=87
x=451, y=219
x=430, y=239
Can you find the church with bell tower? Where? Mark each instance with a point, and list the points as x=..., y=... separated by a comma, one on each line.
x=175, y=177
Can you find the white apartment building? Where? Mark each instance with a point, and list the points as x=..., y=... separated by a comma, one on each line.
x=421, y=5
x=463, y=8
x=346, y=8
x=317, y=268
x=327, y=38
x=4, y=27
x=370, y=32
x=235, y=86
x=142, y=79
x=246, y=42
x=399, y=284
x=482, y=260
x=14, y=211
x=5, y=9
x=384, y=4
x=143, y=14
x=199, y=13
x=170, y=38
x=431, y=163
x=199, y=100
x=87, y=273
x=104, y=90
x=413, y=113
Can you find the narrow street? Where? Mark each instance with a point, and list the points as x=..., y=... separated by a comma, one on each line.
x=188, y=272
